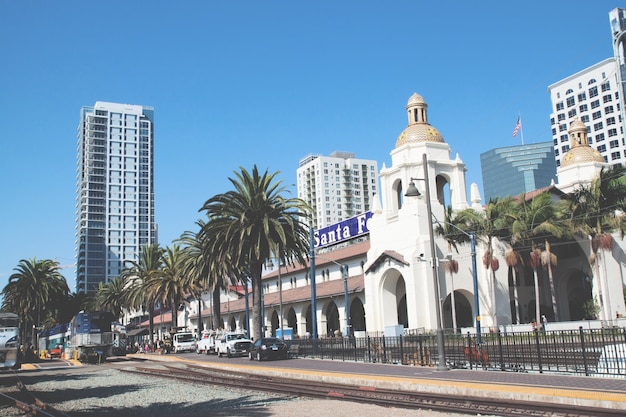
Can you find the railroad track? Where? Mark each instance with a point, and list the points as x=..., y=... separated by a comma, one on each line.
x=383, y=397
x=28, y=403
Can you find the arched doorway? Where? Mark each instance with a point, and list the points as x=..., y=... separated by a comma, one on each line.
x=332, y=319
x=307, y=316
x=578, y=286
x=274, y=322
x=394, y=304
x=292, y=320
x=357, y=316
x=464, y=316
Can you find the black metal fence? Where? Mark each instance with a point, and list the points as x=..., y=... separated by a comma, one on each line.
x=586, y=352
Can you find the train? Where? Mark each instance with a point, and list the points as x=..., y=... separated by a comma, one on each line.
x=89, y=337
x=9, y=340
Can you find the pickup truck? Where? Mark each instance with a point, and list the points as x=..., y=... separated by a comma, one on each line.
x=208, y=342
x=233, y=344
x=184, y=342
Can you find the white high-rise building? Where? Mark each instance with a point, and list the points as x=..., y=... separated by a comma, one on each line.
x=338, y=186
x=592, y=96
x=115, y=190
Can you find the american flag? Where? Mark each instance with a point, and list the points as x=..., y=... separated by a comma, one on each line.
x=518, y=126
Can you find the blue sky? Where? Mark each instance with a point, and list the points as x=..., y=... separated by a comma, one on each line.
x=240, y=83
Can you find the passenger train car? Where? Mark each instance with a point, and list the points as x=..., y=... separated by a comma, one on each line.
x=53, y=343
x=9, y=340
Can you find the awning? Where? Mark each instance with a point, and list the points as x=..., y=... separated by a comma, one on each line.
x=137, y=332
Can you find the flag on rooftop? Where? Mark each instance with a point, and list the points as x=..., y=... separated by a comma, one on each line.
x=518, y=126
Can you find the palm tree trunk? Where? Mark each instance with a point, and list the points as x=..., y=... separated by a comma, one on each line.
x=151, y=321
x=174, y=314
x=257, y=321
x=453, y=302
x=217, y=314
x=555, y=307
x=537, y=304
x=516, y=296
x=200, y=324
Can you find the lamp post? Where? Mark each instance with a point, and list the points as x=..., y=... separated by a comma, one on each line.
x=472, y=237
x=412, y=191
x=313, y=295
x=280, y=300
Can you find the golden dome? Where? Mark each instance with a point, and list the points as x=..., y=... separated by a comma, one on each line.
x=419, y=133
x=580, y=155
x=418, y=130
x=580, y=151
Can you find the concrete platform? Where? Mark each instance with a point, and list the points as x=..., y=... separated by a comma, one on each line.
x=533, y=387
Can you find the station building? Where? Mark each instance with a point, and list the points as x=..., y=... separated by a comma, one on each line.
x=393, y=275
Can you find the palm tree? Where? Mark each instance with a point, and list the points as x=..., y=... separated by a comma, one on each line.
x=112, y=296
x=208, y=270
x=171, y=285
x=493, y=223
x=248, y=225
x=512, y=261
x=549, y=260
x=536, y=220
x=452, y=232
x=138, y=274
x=35, y=290
x=597, y=210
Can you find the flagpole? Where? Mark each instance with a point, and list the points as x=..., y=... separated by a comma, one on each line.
x=521, y=128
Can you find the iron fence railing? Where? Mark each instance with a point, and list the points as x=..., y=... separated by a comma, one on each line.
x=599, y=352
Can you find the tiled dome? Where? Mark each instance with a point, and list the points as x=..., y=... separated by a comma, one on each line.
x=580, y=151
x=418, y=130
x=419, y=133
x=580, y=155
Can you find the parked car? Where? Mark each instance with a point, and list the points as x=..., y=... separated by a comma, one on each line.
x=268, y=348
x=233, y=344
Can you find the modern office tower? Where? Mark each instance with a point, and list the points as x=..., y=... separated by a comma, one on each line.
x=617, y=18
x=514, y=170
x=337, y=186
x=591, y=95
x=115, y=190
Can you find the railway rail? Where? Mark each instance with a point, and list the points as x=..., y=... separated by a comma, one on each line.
x=28, y=403
x=374, y=396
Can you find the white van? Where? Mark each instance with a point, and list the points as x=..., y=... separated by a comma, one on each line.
x=184, y=342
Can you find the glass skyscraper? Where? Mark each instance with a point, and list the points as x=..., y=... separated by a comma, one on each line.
x=514, y=170
x=115, y=190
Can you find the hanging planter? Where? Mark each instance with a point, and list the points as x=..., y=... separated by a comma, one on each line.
x=495, y=264
x=451, y=266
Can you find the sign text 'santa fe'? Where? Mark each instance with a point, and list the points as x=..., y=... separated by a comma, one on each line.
x=345, y=230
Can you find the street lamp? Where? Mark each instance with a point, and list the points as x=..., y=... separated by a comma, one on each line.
x=412, y=191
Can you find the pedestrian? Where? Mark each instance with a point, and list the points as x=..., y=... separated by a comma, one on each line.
x=544, y=322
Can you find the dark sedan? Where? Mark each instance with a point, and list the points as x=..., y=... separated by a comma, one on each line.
x=268, y=348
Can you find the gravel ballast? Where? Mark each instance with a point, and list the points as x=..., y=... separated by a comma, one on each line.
x=108, y=391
